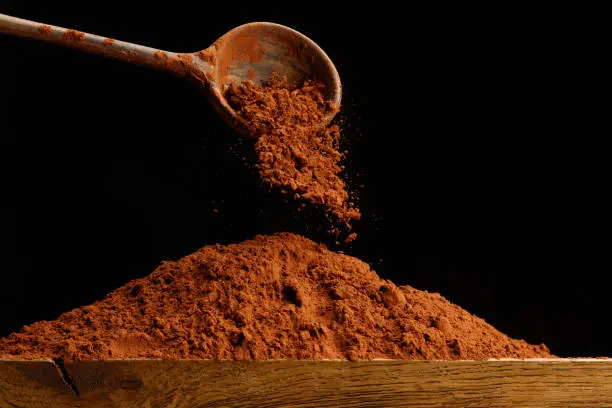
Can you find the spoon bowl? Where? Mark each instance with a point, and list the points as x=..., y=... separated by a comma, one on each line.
x=254, y=51
x=250, y=52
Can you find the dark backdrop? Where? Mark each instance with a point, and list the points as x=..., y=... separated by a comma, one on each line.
x=473, y=180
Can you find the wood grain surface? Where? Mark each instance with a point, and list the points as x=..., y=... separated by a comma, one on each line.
x=272, y=384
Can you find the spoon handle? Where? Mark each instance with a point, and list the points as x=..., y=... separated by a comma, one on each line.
x=92, y=43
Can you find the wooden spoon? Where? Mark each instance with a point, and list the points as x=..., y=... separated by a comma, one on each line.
x=251, y=51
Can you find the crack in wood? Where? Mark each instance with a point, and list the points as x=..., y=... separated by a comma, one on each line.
x=63, y=372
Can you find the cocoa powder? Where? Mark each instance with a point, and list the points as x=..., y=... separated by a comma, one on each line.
x=297, y=155
x=129, y=54
x=273, y=297
x=73, y=35
x=44, y=30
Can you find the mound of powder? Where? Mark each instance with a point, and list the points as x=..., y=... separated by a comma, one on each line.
x=296, y=154
x=273, y=297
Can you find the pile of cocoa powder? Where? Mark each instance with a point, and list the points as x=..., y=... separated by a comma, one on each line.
x=273, y=297
x=298, y=153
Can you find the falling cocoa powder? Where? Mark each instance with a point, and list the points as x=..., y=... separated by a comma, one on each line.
x=73, y=35
x=273, y=297
x=350, y=238
x=296, y=154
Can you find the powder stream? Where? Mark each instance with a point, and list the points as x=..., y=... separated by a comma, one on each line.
x=296, y=155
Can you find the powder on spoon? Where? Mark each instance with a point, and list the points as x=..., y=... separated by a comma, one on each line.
x=273, y=297
x=296, y=154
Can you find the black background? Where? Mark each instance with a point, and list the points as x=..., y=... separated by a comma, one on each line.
x=473, y=179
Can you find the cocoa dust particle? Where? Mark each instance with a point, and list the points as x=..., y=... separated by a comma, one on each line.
x=296, y=155
x=351, y=237
x=207, y=56
x=273, y=297
x=108, y=42
x=129, y=54
x=161, y=57
x=74, y=35
x=44, y=30
x=181, y=64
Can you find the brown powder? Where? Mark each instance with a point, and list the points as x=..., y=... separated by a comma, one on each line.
x=274, y=297
x=129, y=54
x=108, y=42
x=161, y=57
x=350, y=238
x=251, y=74
x=44, y=30
x=295, y=154
x=181, y=64
x=73, y=35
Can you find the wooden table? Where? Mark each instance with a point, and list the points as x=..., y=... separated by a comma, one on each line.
x=383, y=383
